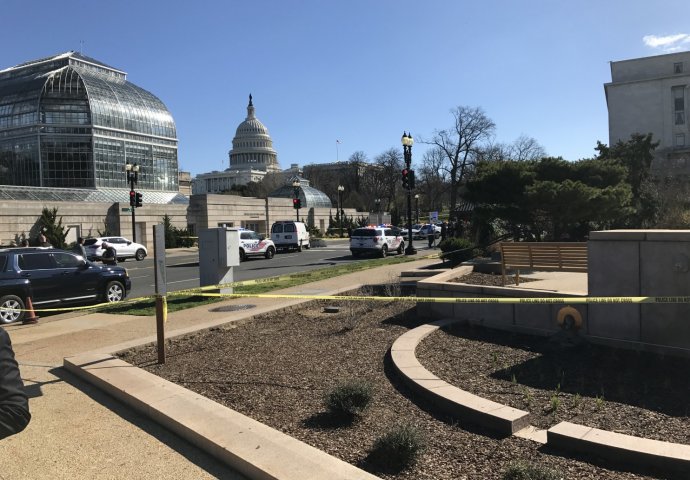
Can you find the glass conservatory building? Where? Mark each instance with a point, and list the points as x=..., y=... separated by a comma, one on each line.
x=70, y=121
x=310, y=196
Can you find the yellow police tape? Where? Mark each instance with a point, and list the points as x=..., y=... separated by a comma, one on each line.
x=475, y=300
x=494, y=300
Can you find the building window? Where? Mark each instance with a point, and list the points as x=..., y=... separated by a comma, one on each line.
x=678, y=67
x=680, y=140
x=679, y=105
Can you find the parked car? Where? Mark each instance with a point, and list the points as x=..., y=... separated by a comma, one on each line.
x=377, y=240
x=125, y=248
x=288, y=235
x=415, y=230
x=54, y=277
x=252, y=244
x=428, y=228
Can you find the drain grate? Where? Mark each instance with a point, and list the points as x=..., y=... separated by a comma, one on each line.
x=231, y=308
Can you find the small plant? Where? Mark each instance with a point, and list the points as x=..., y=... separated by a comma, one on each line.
x=599, y=401
x=555, y=402
x=350, y=398
x=528, y=397
x=530, y=471
x=494, y=358
x=513, y=378
x=399, y=448
x=577, y=400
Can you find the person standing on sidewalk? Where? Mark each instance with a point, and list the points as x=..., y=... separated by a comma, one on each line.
x=14, y=403
x=79, y=248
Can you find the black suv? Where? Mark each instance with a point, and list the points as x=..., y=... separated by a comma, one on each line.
x=53, y=277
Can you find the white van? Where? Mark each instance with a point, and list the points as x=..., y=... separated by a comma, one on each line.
x=288, y=234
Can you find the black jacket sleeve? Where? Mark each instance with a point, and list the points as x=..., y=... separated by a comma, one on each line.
x=14, y=404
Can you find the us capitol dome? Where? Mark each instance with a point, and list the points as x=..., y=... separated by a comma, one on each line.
x=251, y=158
x=252, y=147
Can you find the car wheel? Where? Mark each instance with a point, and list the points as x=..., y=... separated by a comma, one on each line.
x=384, y=251
x=243, y=256
x=11, y=309
x=140, y=255
x=270, y=252
x=401, y=248
x=355, y=254
x=121, y=259
x=114, y=292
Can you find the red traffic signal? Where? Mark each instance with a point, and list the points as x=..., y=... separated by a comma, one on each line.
x=132, y=198
x=406, y=179
x=296, y=203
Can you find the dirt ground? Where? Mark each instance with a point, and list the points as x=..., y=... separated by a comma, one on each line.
x=278, y=367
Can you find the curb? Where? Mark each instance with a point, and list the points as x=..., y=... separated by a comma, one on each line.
x=618, y=448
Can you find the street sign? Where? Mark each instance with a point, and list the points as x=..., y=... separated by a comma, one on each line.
x=125, y=210
x=433, y=217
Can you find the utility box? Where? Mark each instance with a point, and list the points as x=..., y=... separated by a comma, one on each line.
x=219, y=251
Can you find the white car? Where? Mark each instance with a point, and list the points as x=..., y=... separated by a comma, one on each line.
x=252, y=244
x=123, y=248
x=428, y=228
x=378, y=240
x=415, y=230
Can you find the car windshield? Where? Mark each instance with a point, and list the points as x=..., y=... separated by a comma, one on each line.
x=90, y=241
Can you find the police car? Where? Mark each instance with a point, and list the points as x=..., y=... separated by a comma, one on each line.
x=252, y=245
x=379, y=240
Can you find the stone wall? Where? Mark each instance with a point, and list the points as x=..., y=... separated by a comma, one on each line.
x=19, y=219
x=211, y=211
x=622, y=263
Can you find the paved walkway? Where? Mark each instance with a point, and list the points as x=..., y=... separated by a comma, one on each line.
x=79, y=432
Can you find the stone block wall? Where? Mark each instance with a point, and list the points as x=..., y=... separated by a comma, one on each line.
x=641, y=263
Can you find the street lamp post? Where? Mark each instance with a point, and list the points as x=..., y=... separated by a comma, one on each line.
x=295, y=186
x=132, y=177
x=407, y=142
x=340, y=207
x=416, y=206
x=378, y=211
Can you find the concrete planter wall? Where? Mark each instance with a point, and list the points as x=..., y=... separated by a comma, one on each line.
x=539, y=319
x=622, y=263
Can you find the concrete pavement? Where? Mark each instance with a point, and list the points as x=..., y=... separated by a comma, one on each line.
x=79, y=432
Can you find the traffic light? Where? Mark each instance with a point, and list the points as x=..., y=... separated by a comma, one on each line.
x=406, y=179
x=296, y=203
x=411, y=179
x=138, y=199
x=132, y=196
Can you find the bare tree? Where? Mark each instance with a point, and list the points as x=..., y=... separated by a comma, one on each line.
x=526, y=148
x=461, y=144
x=386, y=177
x=358, y=156
x=432, y=179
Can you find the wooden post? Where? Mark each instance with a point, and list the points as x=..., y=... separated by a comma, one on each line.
x=161, y=318
x=161, y=288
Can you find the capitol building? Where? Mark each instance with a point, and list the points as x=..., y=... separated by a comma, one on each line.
x=251, y=158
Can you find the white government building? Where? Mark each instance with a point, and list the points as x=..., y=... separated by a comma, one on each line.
x=251, y=158
x=650, y=95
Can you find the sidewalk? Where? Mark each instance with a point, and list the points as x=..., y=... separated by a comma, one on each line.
x=79, y=432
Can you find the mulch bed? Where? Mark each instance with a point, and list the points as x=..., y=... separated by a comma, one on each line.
x=278, y=367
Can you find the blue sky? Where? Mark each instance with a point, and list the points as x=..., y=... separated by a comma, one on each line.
x=358, y=71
